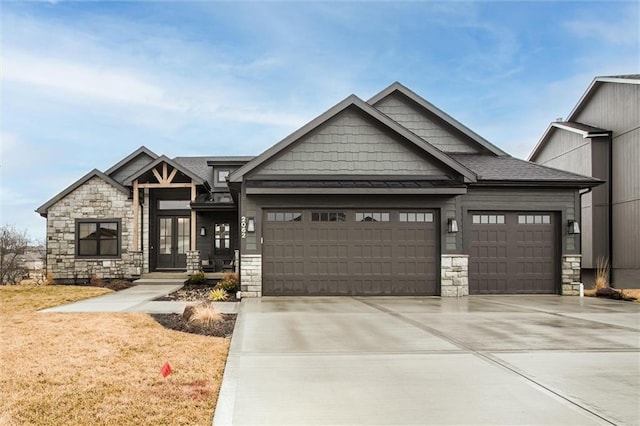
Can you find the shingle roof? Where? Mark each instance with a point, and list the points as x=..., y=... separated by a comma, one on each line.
x=513, y=170
x=201, y=167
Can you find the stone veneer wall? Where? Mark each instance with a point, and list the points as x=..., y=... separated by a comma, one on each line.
x=571, y=264
x=193, y=261
x=251, y=275
x=96, y=199
x=454, y=275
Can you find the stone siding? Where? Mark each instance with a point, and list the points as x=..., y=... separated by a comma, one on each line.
x=251, y=275
x=96, y=199
x=454, y=275
x=571, y=264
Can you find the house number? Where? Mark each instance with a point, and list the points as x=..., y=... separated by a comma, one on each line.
x=243, y=227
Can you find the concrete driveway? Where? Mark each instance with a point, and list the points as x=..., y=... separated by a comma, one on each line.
x=475, y=360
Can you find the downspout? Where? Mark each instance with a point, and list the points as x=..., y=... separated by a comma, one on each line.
x=610, y=208
x=581, y=194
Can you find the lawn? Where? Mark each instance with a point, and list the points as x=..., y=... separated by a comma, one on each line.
x=100, y=368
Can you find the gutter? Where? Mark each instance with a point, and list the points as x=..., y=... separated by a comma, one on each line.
x=610, y=209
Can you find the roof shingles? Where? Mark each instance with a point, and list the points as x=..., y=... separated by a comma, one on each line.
x=493, y=168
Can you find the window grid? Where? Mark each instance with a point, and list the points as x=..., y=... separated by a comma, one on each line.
x=416, y=217
x=328, y=216
x=534, y=219
x=284, y=217
x=372, y=217
x=97, y=238
x=489, y=219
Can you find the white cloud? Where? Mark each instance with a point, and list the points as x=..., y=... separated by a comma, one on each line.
x=108, y=84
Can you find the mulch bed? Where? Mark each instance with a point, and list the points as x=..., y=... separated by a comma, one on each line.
x=193, y=293
x=222, y=328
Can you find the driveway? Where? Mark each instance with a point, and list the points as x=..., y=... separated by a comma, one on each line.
x=474, y=360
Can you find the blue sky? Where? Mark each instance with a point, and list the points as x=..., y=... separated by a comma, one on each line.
x=86, y=83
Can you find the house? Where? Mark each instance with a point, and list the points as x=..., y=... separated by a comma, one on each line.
x=391, y=196
x=601, y=138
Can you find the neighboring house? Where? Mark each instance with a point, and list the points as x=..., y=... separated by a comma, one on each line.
x=601, y=138
x=386, y=197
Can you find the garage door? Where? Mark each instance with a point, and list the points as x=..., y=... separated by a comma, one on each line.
x=512, y=253
x=347, y=252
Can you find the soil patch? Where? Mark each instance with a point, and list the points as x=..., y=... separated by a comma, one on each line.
x=193, y=293
x=222, y=328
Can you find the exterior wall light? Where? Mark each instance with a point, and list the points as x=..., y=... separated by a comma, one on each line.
x=452, y=225
x=574, y=227
x=251, y=225
x=203, y=231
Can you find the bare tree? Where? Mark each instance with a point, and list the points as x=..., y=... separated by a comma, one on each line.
x=13, y=243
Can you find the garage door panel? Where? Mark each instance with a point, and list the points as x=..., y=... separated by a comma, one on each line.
x=386, y=257
x=513, y=254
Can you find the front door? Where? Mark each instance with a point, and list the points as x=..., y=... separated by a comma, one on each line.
x=173, y=241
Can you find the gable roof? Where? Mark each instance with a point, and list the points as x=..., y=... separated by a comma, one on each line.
x=42, y=210
x=164, y=159
x=369, y=111
x=582, y=129
x=595, y=84
x=142, y=150
x=428, y=106
x=512, y=171
x=570, y=124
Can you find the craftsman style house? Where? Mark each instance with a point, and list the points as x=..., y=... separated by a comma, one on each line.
x=391, y=196
x=601, y=138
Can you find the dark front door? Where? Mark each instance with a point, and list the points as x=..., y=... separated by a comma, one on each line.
x=173, y=241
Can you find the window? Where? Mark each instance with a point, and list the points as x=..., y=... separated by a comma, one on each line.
x=284, y=217
x=328, y=216
x=372, y=217
x=416, y=217
x=534, y=219
x=222, y=236
x=174, y=204
x=222, y=177
x=491, y=219
x=98, y=238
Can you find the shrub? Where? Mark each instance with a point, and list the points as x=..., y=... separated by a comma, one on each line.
x=202, y=314
x=218, y=295
x=95, y=281
x=197, y=278
x=229, y=282
x=602, y=273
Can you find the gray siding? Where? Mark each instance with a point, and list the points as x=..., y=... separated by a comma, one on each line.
x=616, y=107
x=564, y=202
x=131, y=167
x=350, y=144
x=425, y=125
x=567, y=150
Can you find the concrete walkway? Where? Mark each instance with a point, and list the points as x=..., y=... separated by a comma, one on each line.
x=474, y=360
x=139, y=298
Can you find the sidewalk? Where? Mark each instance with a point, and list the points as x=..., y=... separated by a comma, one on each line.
x=139, y=299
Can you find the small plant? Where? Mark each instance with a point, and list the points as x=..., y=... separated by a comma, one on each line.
x=95, y=281
x=203, y=315
x=229, y=282
x=197, y=278
x=218, y=295
x=602, y=273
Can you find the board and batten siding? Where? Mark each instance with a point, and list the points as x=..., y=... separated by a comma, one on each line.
x=351, y=144
x=570, y=151
x=565, y=202
x=616, y=107
x=425, y=125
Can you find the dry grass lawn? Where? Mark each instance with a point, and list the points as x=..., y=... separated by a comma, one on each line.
x=100, y=369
